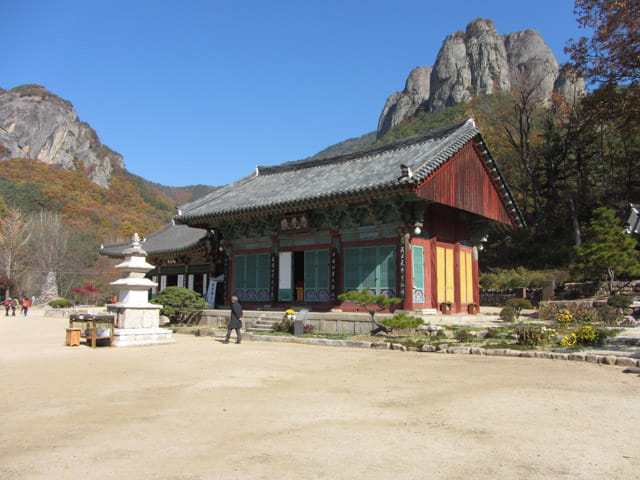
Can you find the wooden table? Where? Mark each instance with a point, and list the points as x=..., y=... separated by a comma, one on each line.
x=92, y=322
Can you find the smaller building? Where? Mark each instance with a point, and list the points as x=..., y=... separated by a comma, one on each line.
x=182, y=257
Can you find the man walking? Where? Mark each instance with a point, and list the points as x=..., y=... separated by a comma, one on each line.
x=235, y=322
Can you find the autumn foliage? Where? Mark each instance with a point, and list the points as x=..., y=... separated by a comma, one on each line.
x=128, y=205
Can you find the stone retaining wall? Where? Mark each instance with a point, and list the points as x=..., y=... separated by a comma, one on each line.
x=332, y=322
x=623, y=361
x=65, y=312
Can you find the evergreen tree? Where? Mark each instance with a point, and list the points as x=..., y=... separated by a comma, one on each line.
x=607, y=251
x=372, y=304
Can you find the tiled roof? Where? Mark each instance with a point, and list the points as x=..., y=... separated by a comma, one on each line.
x=169, y=239
x=391, y=166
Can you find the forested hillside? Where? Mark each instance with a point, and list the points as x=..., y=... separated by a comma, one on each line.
x=64, y=217
x=127, y=206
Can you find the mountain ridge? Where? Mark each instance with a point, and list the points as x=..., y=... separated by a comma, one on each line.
x=479, y=61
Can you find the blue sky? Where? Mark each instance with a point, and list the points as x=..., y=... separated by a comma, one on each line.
x=199, y=92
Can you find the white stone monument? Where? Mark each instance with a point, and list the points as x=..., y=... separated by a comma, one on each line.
x=137, y=321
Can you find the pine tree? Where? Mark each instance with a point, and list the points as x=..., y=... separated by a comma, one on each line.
x=607, y=251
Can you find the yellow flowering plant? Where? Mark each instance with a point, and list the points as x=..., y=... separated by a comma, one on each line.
x=569, y=341
x=565, y=317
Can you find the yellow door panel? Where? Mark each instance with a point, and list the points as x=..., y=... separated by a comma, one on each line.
x=440, y=273
x=449, y=276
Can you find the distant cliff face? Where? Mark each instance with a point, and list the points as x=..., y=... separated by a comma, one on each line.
x=475, y=62
x=35, y=123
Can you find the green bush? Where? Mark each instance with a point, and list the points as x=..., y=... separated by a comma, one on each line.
x=589, y=335
x=489, y=281
x=519, y=304
x=620, y=301
x=60, y=303
x=402, y=320
x=179, y=303
x=508, y=314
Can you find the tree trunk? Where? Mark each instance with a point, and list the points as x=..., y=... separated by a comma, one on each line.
x=377, y=326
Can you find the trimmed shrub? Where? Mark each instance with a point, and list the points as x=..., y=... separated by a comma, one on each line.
x=180, y=304
x=519, y=304
x=60, y=303
x=508, y=314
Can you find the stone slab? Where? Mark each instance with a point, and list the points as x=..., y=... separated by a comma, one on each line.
x=131, y=337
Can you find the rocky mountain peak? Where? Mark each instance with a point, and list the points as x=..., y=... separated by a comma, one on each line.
x=35, y=123
x=479, y=61
x=403, y=104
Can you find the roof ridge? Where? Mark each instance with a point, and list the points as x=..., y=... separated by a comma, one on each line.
x=218, y=192
x=345, y=157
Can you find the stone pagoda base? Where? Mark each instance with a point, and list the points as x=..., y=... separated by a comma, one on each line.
x=133, y=337
x=138, y=325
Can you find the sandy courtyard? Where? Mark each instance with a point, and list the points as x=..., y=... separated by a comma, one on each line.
x=199, y=409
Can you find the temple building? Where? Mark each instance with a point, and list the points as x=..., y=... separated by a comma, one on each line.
x=404, y=219
x=182, y=257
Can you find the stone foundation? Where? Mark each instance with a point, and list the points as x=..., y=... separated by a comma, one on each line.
x=134, y=337
x=139, y=326
x=136, y=317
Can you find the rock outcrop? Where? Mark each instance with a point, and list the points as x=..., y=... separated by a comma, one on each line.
x=478, y=62
x=403, y=104
x=34, y=123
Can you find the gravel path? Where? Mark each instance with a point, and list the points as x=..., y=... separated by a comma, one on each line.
x=200, y=409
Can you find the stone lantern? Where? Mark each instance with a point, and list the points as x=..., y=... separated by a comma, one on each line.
x=137, y=321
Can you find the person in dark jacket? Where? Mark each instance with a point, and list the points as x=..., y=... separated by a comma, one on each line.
x=235, y=322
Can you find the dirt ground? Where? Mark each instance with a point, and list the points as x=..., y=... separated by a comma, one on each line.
x=200, y=409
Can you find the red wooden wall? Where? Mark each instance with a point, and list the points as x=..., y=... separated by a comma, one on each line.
x=465, y=183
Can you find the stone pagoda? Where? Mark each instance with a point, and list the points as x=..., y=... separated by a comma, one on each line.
x=137, y=321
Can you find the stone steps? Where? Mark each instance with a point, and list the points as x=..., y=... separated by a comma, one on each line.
x=261, y=325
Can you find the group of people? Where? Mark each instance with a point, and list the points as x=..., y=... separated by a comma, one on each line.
x=12, y=304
